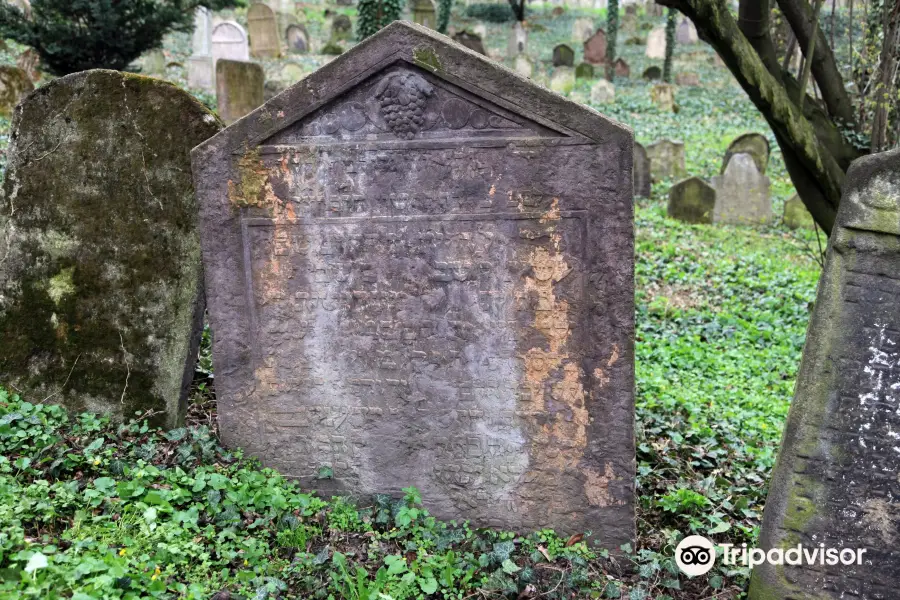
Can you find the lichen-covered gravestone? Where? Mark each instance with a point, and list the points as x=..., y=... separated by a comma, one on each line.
x=584, y=71
x=563, y=56
x=423, y=13
x=692, y=201
x=742, y=193
x=262, y=28
x=666, y=160
x=341, y=28
x=754, y=144
x=603, y=92
x=796, y=216
x=15, y=84
x=297, y=39
x=835, y=481
x=240, y=88
x=100, y=273
x=595, y=48
x=641, y=171
x=663, y=96
x=413, y=281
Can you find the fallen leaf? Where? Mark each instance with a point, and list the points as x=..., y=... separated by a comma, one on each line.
x=575, y=539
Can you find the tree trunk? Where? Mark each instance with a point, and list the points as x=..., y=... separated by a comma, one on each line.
x=884, y=88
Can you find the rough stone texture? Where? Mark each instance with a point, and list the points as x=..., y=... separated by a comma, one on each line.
x=262, y=28
x=563, y=56
x=563, y=80
x=584, y=71
x=424, y=13
x=229, y=41
x=240, y=88
x=652, y=73
x=518, y=40
x=297, y=39
x=754, y=144
x=437, y=294
x=582, y=29
x=686, y=33
x=101, y=300
x=14, y=85
x=641, y=170
x=742, y=193
x=621, y=68
x=663, y=96
x=595, y=48
x=471, y=41
x=341, y=28
x=603, y=92
x=524, y=66
x=656, y=43
x=692, y=201
x=835, y=480
x=795, y=214
x=687, y=79
x=666, y=160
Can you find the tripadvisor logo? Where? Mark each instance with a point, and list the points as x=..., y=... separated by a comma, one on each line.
x=695, y=555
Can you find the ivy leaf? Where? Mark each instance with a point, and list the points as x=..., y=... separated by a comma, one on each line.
x=37, y=561
x=509, y=567
x=429, y=585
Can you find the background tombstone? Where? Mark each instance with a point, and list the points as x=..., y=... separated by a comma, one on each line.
x=663, y=96
x=523, y=66
x=558, y=231
x=652, y=73
x=795, y=214
x=103, y=299
x=562, y=80
x=742, y=193
x=687, y=79
x=423, y=13
x=666, y=160
x=692, y=201
x=584, y=71
x=470, y=41
x=15, y=84
x=582, y=29
x=754, y=144
x=563, y=56
x=200, y=63
x=595, y=48
x=297, y=39
x=621, y=68
x=229, y=40
x=518, y=38
x=262, y=28
x=341, y=28
x=240, y=88
x=603, y=92
x=686, y=33
x=656, y=43
x=641, y=171
x=835, y=480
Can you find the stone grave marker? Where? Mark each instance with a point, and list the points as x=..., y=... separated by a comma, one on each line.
x=584, y=71
x=406, y=316
x=595, y=48
x=686, y=33
x=742, y=193
x=687, y=79
x=666, y=160
x=796, y=216
x=240, y=88
x=582, y=29
x=470, y=41
x=754, y=144
x=656, y=43
x=423, y=13
x=603, y=92
x=262, y=28
x=563, y=56
x=524, y=66
x=563, y=80
x=641, y=170
x=101, y=277
x=200, y=63
x=229, y=40
x=652, y=73
x=518, y=39
x=153, y=62
x=663, y=96
x=835, y=480
x=297, y=39
x=341, y=28
x=692, y=200
x=15, y=84
x=621, y=68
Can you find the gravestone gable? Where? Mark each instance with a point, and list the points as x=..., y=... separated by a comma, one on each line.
x=263, y=30
x=229, y=41
x=391, y=311
x=101, y=275
x=563, y=56
x=595, y=48
x=754, y=144
x=835, y=480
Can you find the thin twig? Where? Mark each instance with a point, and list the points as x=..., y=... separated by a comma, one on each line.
x=127, y=367
x=64, y=382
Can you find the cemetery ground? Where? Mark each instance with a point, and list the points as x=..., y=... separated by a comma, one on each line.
x=90, y=509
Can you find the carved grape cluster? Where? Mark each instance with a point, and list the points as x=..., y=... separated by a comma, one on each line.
x=402, y=97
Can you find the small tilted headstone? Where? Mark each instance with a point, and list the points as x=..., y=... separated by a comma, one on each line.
x=100, y=276
x=621, y=68
x=754, y=144
x=341, y=28
x=692, y=201
x=595, y=48
x=240, y=88
x=834, y=486
x=641, y=170
x=796, y=215
x=563, y=56
x=15, y=84
x=584, y=71
x=666, y=160
x=742, y=193
x=470, y=40
x=656, y=43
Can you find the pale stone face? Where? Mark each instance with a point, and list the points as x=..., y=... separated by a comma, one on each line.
x=413, y=282
x=742, y=193
x=263, y=31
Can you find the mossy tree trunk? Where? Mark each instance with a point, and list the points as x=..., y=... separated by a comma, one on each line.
x=612, y=32
x=815, y=151
x=671, y=21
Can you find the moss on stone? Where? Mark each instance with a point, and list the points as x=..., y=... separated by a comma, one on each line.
x=427, y=58
x=250, y=189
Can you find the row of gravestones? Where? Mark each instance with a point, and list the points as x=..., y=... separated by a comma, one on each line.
x=480, y=385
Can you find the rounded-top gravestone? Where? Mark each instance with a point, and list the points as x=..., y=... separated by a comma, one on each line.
x=101, y=276
x=742, y=193
x=15, y=84
x=641, y=170
x=754, y=144
x=262, y=27
x=652, y=73
x=229, y=40
x=341, y=28
x=563, y=56
x=796, y=215
x=297, y=39
x=692, y=201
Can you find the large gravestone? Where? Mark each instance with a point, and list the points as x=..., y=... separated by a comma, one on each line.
x=835, y=481
x=742, y=193
x=240, y=88
x=754, y=144
x=595, y=48
x=641, y=171
x=413, y=281
x=666, y=160
x=262, y=28
x=100, y=273
x=229, y=41
x=14, y=85
x=692, y=200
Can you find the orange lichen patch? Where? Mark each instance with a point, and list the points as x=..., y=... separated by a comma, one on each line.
x=287, y=175
x=266, y=381
x=492, y=191
x=552, y=214
x=596, y=487
x=614, y=356
x=569, y=430
x=601, y=377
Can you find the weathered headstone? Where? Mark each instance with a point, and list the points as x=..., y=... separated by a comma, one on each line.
x=405, y=316
x=663, y=96
x=518, y=38
x=656, y=43
x=524, y=66
x=686, y=33
x=240, y=89
x=200, y=74
x=754, y=144
x=423, y=13
x=652, y=73
x=584, y=71
x=742, y=193
x=687, y=79
x=201, y=39
x=297, y=39
x=101, y=277
x=595, y=48
x=15, y=84
x=796, y=216
x=621, y=68
x=603, y=92
x=582, y=29
x=262, y=28
x=563, y=56
x=835, y=481
x=341, y=28
x=229, y=41
x=641, y=170
x=563, y=80
x=666, y=160
x=470, y=41
x=692, y=201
